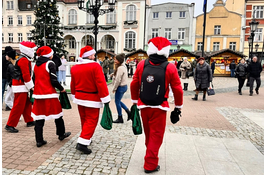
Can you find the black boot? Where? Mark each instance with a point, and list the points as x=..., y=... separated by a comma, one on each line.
x=119, y=120
x=129, y=114
x=204, y=97
x=83, y=148
x=186, y=86
x=195, y=98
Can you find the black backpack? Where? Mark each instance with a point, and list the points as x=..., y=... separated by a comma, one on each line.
x=152, y=90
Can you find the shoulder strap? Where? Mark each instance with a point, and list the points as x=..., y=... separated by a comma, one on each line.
x=146, y=62
x=164, y=64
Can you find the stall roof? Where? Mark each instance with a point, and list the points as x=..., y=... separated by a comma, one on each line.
x=213, y=54
x=106, y=51
x=137, y=51
x=186, y=51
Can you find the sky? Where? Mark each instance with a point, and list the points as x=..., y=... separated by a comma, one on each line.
x=198, y=4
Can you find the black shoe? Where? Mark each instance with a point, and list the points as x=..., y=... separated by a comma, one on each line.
x=151, y=171
x=251, y=94
x=29, y=124
x=195, y=97
x=83, y=148
x=240, y=93
x=129, y=114
x=7, y=109
x=257, y=91
x=67, y=134
x=64, y=84
x=39, y=144
x=11, y=129
x=119, y=120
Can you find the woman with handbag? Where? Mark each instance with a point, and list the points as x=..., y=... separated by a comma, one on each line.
x=184, y=68
x=241, y=73
x=202, y=78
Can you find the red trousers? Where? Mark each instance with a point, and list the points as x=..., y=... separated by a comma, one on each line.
x=22, y=106
x=154, y=122
x=89, y=120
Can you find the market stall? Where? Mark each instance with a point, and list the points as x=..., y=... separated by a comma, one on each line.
x=182, y=53
x=138, y=55
x=102, y=53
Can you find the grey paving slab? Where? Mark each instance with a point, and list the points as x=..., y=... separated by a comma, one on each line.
x=256, y=117
x=236, y=144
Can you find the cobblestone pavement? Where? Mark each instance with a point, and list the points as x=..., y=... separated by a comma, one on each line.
x=220, y=117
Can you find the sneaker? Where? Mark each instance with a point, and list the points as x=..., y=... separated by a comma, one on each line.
x=11, y=129
x=67, y=134
x=257, y=91
x=83, y=148
x=151, y=171
x=29, y=124
x=64, y=83
x=7, y=109
x=39, y=144
x=251, y=94
x=240, y=93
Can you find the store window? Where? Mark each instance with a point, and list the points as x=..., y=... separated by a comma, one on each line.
x=168, y=33
x=199, y=46
x=258, y=11
x=232, y=45
x=217, y=30
x=19, y=20
x=130, y=40
x=181, y=33
x=131, y=13
x=72, y=16
x=216, y=46
x=10, y=20
x=20, y=38
x=155, y=15
x=154, y=33
x=168, y=14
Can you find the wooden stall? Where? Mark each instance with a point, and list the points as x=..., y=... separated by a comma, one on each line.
x=138, y=54
x=182, y=53
x=102, y=53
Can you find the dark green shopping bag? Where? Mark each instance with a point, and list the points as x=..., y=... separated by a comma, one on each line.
x=30, y=96
x=106, y=120
x=136, y=120
x=64, y=100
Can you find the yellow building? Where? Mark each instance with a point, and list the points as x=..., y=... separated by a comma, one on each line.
x=223, y=30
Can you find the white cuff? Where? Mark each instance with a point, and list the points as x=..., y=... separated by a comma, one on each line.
x=179, y=106
x=29, y=84
x=135, y=101
x=73, y=96
x=105, y=99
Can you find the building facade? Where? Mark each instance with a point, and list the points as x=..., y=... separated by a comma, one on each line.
x=172, y=21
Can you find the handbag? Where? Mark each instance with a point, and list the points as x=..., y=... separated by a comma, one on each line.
x=106, y=120
x=64, y=100
x=136, y=121
x=210, y=90
x=9, y=98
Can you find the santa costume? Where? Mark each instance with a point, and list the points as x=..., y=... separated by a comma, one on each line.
x=22, y=83
x=46, y=105
x=154, y=116
x=89, y=90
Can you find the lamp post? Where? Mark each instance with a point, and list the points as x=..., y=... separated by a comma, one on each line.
x=249, y=45
x=257, y=47
x=93, y=8
x=253, y=27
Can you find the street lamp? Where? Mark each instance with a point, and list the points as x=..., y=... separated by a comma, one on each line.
x=253, y=27
x=249, y=45
x=93, y=8
x=257, y=47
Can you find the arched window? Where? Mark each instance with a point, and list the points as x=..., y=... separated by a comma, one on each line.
x=131, y=13
x=72, y=43
x=72, y=16
x=130, y=40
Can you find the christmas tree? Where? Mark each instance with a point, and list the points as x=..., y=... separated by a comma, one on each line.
x=47, y=27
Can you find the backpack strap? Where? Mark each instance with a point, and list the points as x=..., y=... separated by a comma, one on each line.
x=146, y=62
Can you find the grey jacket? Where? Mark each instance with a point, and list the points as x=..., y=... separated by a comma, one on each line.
x=203, y=75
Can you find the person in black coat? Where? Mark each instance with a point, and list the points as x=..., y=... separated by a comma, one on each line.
x=57, y=60
x=254, y=69
x=232, y=68
x=178, y=65
x=241, y=74
x=213, y=66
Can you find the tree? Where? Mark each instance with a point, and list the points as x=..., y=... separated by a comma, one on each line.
x=47, y=27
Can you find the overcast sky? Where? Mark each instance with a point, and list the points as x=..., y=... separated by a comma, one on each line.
x=198, y=4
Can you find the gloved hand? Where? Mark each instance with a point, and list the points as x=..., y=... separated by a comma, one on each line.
x=174, y=117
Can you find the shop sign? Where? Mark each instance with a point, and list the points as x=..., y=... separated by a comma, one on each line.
x=174, y=42
x=225, y=56
x=140, y=55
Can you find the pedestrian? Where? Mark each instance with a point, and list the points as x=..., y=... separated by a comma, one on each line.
x=105, y=66
x=21, y=84
x=202, y=78
x=127, y=65
x=11, y=58
x=111, y=66
x=154, y=107
x=194, y=64
x=232, y=68
x=120, y=80
x=184, y=68
x=213, y=66
x=131, y=65
x=241, y=73
x=178, y=65
x=46, y=104
x=254, y=69
x=89, y=90
x=136, y=62
x=62, y=71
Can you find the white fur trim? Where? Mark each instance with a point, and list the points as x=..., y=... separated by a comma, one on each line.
x=83, y=141
x=152, y=49
x=105, y=99
x=49, y=117
x=84, y=61
x=47, y=64
x=29, y=84
x=134, y=101
x=45, y=96
x=86, y=103
x=160, y=107
x=164, y=51
x=179, y=106
x=87, y=54
x=26, y=50
x=48, y=55
x=20, y=88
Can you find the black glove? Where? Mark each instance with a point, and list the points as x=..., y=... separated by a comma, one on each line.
x=174, y=117
x=185, y=68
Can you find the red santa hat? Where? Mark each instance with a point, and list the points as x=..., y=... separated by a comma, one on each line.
x=87, y=51
x=45, y=51
x=28, y=48
x=159, y=46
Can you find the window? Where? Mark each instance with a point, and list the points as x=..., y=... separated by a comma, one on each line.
x=10, y=5
x=182, y=14
x=258, y=11
x=217, y=30
x=10, y=20
x=154, y=33
x=72, y=43
x=155, y=15
x=168, y=14
x=72, y=18
x=10, y=37
x=110, y=43
x=131, y=13
x=181, y=33
x=28, y=36
x=20, y=38
x=3, y=38
x=199, y=46
x=232, y=45
x=28, y=19
x=19, y=20
x=258, y=34
x=111, y=17
x=2, y=20
x=168, y=33
x=216, y=46
x=130, y=40
x=90, y=18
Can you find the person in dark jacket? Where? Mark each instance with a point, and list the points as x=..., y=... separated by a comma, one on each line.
x=57, y=60
x=111, y=66
x=105, y=66
x=213, y=66
x=178, y=65
x=232, y=68
x=241, y=73
x=202, y=78
x=254, y=69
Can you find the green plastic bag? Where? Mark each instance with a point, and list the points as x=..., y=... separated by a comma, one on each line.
x=136, y=120
x=106, y=120
x=30, y=96
x=64, y=100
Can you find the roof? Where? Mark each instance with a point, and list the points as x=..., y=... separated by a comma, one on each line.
x=186, y=51
x=226, y=50
x=22, y=5
x=137, y=51
x=68, y=1
x=106, y=51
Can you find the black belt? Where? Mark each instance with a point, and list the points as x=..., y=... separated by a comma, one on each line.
x=88, y=92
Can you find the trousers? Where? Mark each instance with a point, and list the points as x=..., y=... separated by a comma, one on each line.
x=251, y=83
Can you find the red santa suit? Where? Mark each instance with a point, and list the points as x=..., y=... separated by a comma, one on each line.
x=21, y=84
x=89, y=90
x=154, y=131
